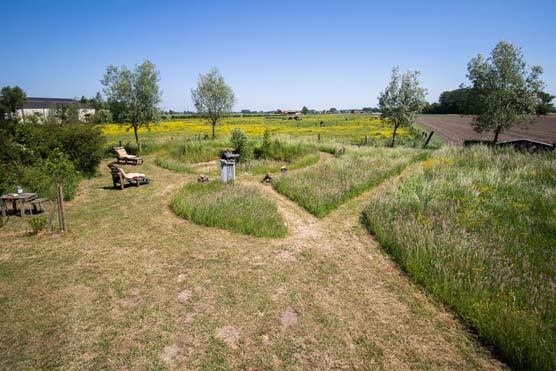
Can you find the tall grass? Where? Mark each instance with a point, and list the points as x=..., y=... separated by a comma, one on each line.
x=273, y=166
x=478, y=228
x=193, y=151
x=238, y=208
x=173, y=165
x=323, y=188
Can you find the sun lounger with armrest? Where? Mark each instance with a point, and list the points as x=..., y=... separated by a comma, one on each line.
x=120, y=178
x=123, y=157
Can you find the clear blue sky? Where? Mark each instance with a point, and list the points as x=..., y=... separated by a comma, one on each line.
x=281, y=54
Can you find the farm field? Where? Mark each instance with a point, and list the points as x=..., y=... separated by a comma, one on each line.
x=347, y=129
x=477, y=228
x=454, y=129
x=133, y=285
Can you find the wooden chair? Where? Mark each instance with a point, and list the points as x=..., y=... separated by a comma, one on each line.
x=123, y=157
x=120, y=178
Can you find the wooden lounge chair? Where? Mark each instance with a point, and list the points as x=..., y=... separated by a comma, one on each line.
x=120, y=178
x=123, y=157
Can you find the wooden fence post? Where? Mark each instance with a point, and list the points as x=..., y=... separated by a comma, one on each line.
x=61, y=212
x=366, y=139
x=428, y=139
x=318, y=137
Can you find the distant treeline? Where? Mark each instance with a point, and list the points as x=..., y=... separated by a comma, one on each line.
x=462, y=101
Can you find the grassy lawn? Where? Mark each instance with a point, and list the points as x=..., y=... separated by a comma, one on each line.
x=478, y=229
x=235, y=207
x=323, y=188
x=132, y=285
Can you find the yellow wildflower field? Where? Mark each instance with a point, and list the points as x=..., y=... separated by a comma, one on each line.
x=344, y=128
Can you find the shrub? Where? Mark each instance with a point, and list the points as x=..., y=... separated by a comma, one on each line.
x=37, y=223
x=43, y=176
x=265, y=149
x=241, y=144
x=83, y=145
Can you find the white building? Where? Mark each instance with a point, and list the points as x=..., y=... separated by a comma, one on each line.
x=43, y=106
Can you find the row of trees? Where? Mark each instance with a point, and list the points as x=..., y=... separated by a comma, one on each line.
x=461, y=101
x=503, y=92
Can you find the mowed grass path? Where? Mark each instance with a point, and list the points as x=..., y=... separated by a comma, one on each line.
x=134, y=286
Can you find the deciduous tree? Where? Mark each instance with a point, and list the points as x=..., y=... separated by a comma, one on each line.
x=133, y=95
x=402, y=99
x=11, y=99
x=213, y=98
x=545, y=104
x=506, y=90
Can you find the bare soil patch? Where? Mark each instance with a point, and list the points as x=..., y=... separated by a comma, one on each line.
x=454, y=129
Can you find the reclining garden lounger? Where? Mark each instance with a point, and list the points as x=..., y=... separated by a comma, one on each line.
x=121, y=178
x=123, y=157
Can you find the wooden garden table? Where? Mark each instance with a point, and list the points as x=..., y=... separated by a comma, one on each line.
x=19, y=199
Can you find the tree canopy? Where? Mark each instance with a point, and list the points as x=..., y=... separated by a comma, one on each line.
x=213, y=98
x=402, y=99
x=11, y=99
x=545, y=105
x=506, y=90
x=133, y=95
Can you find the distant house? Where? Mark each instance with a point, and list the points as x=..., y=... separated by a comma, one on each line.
x=290, y=112
x=42, y=107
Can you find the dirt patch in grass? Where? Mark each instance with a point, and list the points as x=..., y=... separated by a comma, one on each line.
x=229, y=335
x=170, y=353
x=184, y=296
x=289, y=319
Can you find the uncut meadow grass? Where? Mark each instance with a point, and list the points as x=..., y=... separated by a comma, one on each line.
x=234, y=207
x=324, y=187
x=477, y=227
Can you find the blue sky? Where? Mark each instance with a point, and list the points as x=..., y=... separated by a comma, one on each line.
x=282, y=54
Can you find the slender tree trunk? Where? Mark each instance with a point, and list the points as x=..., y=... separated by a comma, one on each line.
x=496, y=134
x=394, y=135
x=136, y=138
x=213, y=126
